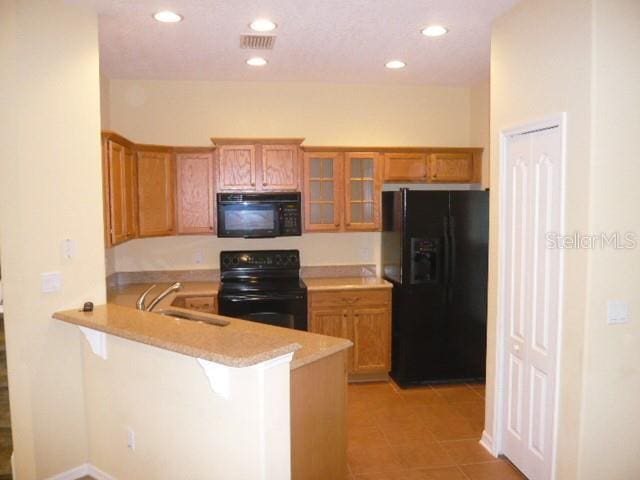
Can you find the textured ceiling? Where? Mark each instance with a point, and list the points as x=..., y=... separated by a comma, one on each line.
x=341, y=41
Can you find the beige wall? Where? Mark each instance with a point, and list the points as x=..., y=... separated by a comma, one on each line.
x=479, y=127
x=584, y=64
x=50, y=184
x=611, y=390
x=189, y=113
x=69, y=407
x=105, y=103
x=541, y=65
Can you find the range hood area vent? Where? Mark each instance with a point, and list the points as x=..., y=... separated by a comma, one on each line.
x=257, y=42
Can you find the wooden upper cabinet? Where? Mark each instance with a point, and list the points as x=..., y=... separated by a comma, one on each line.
x=323, y=191
x=280, y=167
x=121, y=184
x=405, y=167
x=236, y=167
x=451, y=167
x=363, y=186
x=156, y=205
x=258, y=164
x=195, y=193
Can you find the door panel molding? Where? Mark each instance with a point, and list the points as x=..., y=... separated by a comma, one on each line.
x=544, y=186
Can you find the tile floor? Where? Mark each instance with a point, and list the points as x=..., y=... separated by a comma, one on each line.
x=428, y=433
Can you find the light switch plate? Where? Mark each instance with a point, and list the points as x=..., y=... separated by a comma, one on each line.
x=68, y=248
x=50, y=282
x=617, y=312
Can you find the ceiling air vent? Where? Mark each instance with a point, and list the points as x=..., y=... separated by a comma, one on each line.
x=257, y=42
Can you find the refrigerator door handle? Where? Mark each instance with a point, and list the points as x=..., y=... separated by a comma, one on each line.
x=445, y=263
x=452, y=266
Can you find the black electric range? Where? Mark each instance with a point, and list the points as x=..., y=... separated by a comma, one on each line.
x=263, y=286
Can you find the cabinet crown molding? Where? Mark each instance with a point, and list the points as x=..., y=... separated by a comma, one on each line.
x=258, y=141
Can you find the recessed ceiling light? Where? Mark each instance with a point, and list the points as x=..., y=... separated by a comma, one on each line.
x=262, y=25
x=165, y=16
x=395, y=64
x=434, y=31
x=257, y=62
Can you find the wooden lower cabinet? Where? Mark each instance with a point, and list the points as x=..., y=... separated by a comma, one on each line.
x=319, y=419
x=371, y=340
x=202, y=303
x=362, y=316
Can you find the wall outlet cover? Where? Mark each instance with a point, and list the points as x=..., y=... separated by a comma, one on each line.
x=50, y=282
x=617, y=312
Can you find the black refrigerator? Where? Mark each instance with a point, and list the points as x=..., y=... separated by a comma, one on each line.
x=435, y=253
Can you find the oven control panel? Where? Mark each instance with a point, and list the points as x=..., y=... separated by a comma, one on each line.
x=260, y=259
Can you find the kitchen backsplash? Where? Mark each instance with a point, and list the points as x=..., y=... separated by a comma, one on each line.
x=165, y=276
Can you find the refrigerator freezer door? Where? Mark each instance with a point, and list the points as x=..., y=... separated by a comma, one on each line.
x=392, y=226
x=424, y=217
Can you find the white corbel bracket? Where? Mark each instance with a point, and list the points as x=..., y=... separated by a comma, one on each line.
x=219, y=375
x=97, y=341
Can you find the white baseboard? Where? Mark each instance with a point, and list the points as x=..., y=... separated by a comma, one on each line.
x=487, y=442
x=81, y=471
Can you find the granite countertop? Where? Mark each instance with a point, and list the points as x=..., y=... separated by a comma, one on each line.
x=239, y=344
x=345, y=283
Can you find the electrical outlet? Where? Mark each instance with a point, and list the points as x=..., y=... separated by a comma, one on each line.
x=131, y=439
x=199, y=258
x=617, y=312
x=50, y=282
x=365, y=254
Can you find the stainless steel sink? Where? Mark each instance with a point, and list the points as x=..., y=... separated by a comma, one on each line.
x=193, y=316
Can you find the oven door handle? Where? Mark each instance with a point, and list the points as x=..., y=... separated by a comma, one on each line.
x=257, y=298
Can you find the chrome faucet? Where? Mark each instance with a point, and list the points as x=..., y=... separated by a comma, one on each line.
x=140, y=303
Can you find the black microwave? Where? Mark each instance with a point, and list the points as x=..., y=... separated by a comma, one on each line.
x=259, y=215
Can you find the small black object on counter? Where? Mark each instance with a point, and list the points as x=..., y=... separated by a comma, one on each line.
x=87, y=307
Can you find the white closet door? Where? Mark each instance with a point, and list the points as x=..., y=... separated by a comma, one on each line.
x=531, y=294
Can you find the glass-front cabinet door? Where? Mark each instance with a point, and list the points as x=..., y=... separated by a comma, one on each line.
x=323, y=191
x=362, y=191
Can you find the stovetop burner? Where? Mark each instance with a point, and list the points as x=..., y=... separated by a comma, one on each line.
x=263, y=286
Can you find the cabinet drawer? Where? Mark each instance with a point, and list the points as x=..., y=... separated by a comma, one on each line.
x=201, y=304
x=353, y=297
